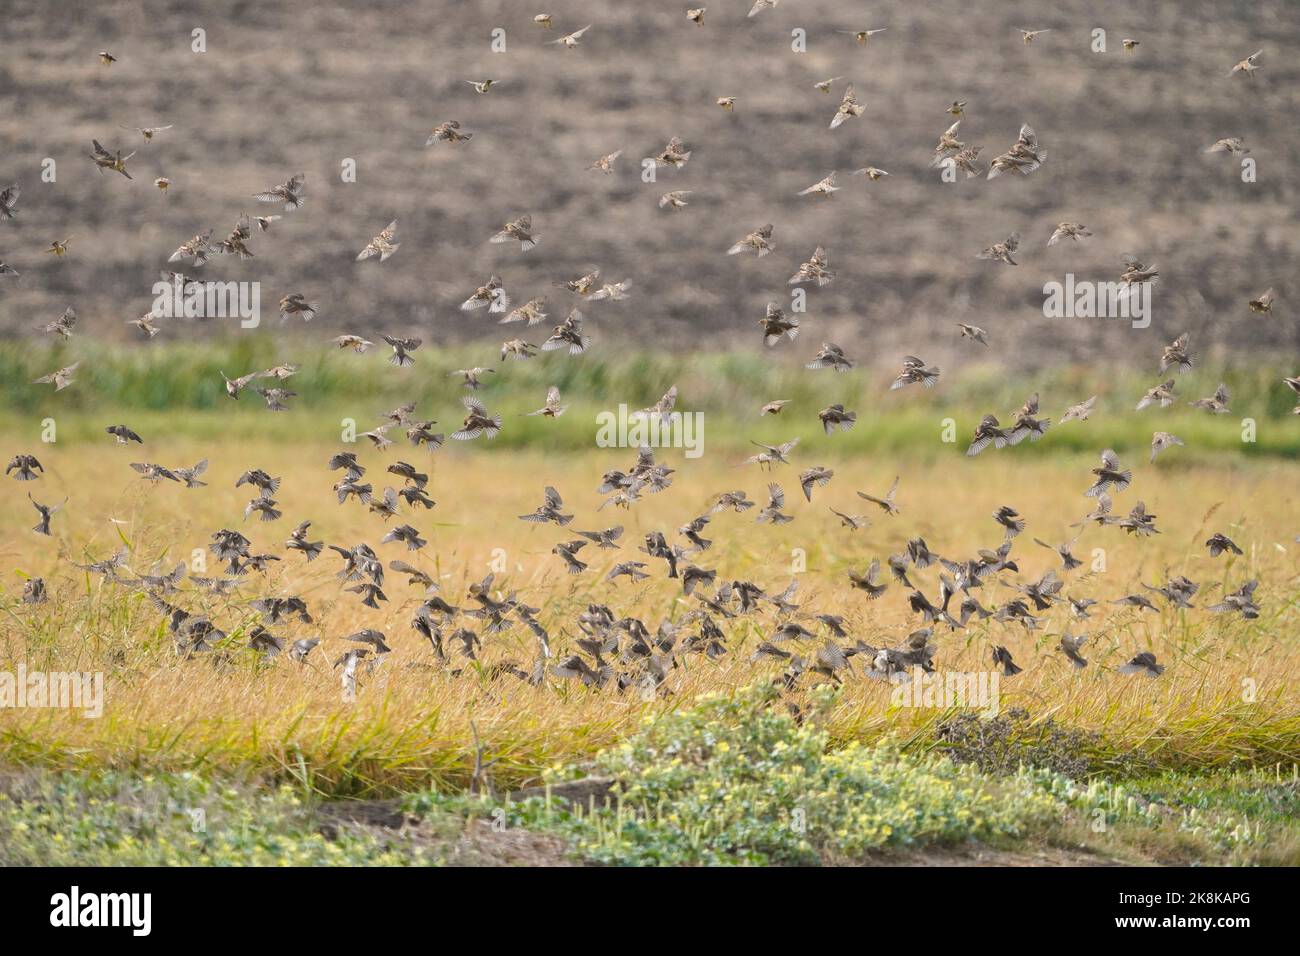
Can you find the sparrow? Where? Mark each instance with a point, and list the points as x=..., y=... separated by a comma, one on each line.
x=295, y=303
x=861, y=36
x=567, y=550
x=988, y=432
x=34, y=591
x=675, y=154
x=813, y=270
x=265, y=506
x=9, y=202
x=915, y=371
x=123, y=435
x=62, y=326
x=531, y=312
x=570, y=41
x=1219, y=543
x=354, y=342
x=1138, y=522
x=1162, y=440
x=830, y=355
x=103, y=159
x=1079, y=412
x=1230, y=144
x=1002, y=251
x=606, y=163
x=477, y=422
x=383, y=245
x=145, y=324
x=1176, y=354
x=948, y=144
x=775, y=502
x=758, y=241
x=675, y=199
x=833, y=416
x=197, y=249
x=662, y=408
x=568, y=335
x=1241, y=600
x=492, y=296
x=1070, y=647
x=886, y=503
x=517, y=350
x=1002, y=657
x=290, y=193
x=1068, y=561
x=236, y=385
x=297, y=541
x=552, y=408
x=852, y=522
x=612, y=291
x=1068, y=230
x=517, y=230
x=402, y=349
x=815, y=477
x=868, y=582
x=849, y=107
x=407, y=534
x=1023, y=157
x=469, y=376
x=60, y=378
x=191, y=475
x=1248, y=66
x=46, y=512
x=1162, y=394
x=148, y=131
x=276, y=397
x=605, y=540
x=1263, y=304
x=448, y=132
x=1135, y=271
x=776, y=325
x=1109, y=476
x=1143, y=663
x=823, y=187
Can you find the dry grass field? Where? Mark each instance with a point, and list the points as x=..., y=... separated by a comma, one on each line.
x=411, y=723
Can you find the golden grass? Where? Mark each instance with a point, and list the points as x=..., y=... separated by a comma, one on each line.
x=411, y=723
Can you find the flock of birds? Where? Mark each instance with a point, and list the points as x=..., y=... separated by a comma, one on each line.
x=612, y=649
